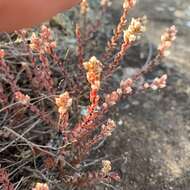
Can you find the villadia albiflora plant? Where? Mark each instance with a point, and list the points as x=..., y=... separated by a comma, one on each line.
x=54, y=106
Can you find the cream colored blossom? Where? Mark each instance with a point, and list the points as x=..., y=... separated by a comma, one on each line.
x=94, y=70
x=35, y=42
x=106, y=167
x=159, y=83
x=137, y=26
x=41, y=186
x=43, y=43
x=126, y=86
x=112, y=99
x=63, y=103
x=129, y=4
x=166, y=40
x=108, y=128
x=23, y=99
x=84, y=7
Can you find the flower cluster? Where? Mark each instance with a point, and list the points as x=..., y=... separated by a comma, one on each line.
x=63, y=103
x=129, y=4
x=41, y=186
x=107, y=129
x=2, y=53
x=106, y=167
x=158, y=83
x=43, y=43
x=137, y=26
x=84, y=7
x=94, y=70
x=166, y=40
x=23, y=99
x=113, y=98
x=125, y=88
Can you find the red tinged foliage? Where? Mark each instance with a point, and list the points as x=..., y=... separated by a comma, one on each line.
x=70, y=101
